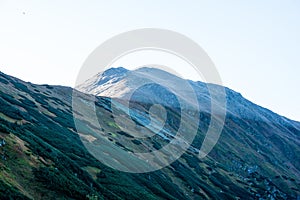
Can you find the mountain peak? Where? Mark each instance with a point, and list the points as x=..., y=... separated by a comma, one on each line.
x=121, y=83
x=114, y=71
x=257, y=155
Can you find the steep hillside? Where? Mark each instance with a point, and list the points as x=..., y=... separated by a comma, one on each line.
x=43, y=157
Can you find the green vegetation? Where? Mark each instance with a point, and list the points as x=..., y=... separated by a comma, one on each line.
x=11, y=193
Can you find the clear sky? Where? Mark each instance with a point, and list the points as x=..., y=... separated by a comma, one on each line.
x=254, y=44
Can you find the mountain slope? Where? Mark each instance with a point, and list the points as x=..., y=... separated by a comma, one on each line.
x=255, y=157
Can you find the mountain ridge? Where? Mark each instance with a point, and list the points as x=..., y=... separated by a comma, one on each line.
x=95, y=86
x=44, y=156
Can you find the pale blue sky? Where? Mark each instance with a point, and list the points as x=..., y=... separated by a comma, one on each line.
x=255, y=44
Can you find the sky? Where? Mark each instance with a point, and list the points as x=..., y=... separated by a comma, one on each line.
x=255, y=45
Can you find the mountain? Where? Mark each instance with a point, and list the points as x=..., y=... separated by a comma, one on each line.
x=120, y=83
x=43, y=157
